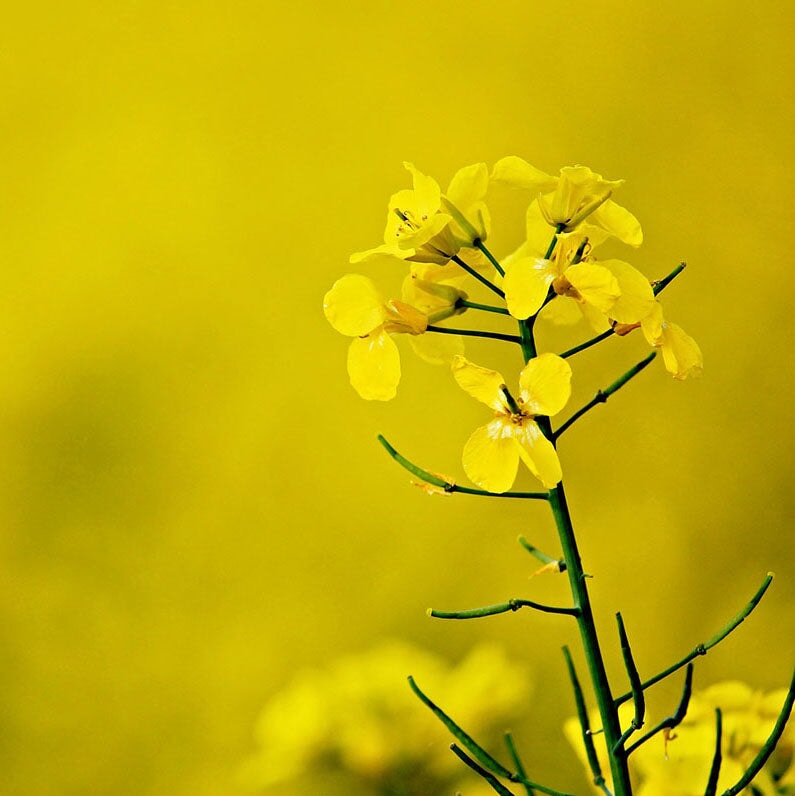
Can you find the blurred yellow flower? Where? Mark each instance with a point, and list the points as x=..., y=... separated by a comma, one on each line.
x=425, y=226
x=576, y=195
x=354, y=307
x=681, y=355
x=680, y=766
x=357, y=719
x=492, y=453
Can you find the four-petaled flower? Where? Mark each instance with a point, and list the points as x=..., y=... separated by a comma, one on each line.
x=427, y=226
x=609, y=290
x=492, y=453
x=578, y=194
x=355, y=308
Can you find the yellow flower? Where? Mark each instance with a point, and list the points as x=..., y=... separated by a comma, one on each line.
x=425, y=226
x=356, y=722
x=607, y=290
x=355, y=308
x=492, y=453
x=576, y=195
x=681, y=355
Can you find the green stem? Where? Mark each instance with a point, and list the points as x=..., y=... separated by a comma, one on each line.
x=472, y=272
x=602, y=396
x=478, y=244
x=663, y=283
x=449, y=486
x=471, y=305
x=587, y=344
x=496, y=785
x=509, y=338
x=518, y=765
x=581, y=601
x=590, y=641
x=501, y=608
x=717, y=758
x=554, y=241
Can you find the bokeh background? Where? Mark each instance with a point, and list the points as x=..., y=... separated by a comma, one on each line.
x=193, y=505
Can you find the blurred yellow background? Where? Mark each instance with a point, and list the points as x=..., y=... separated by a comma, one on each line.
x=193, y=504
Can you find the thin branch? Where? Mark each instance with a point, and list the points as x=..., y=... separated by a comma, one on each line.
x=478, y=244
x=660, y=284
x=674, y=720
x=477, y=751
x=501, y=608
x=517, y=762
x=473, y=305
x=585, y=725
x=508, y=338
x=602, y=395
x=542, y=557
x=636, y=684
x=587, y=344
x=487, y=775
x=702, y=649
x=482, y=279
x=448, y=486
x=714, y=770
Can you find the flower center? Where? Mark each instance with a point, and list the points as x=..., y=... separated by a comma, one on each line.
x=410, y=223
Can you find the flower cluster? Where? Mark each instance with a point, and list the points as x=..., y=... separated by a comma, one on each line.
x=678, y=762
x=553, y=275
x=348, y=723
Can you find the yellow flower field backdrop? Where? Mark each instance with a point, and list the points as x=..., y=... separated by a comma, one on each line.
x=193, y=503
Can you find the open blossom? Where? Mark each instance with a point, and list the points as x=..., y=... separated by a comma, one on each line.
x=604, y=290
x=576, y=195
x=354, y=307
x=492, y=453
x=425, y=225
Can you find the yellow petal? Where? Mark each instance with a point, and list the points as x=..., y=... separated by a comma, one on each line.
x=374, y=366
x=652, y=325
x=682, y=356
x=385, y=250
x=595, y=284
x=468, y=186
x=598, y=320
x=637, y=297
x=438, y=349
x=491, y=457
x=354, y=306
x=538, y=454
x=520, y=174
x=539, y=235
x=545, y=384
x=565, y=311
x=427, y=194
x=619, y=222
x=480, y=383
x=526, y=284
